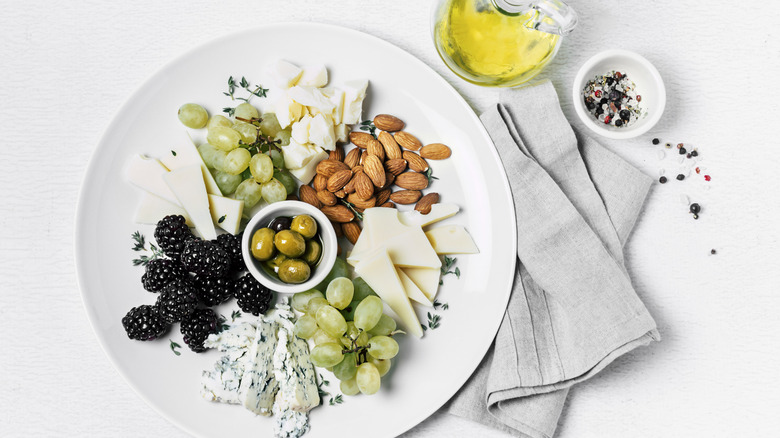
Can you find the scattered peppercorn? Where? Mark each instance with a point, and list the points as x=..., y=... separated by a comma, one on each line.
x=689, y=155
x=668, y=145
x=618, y=123
x=695, y=208
x=680, y=177
x=680, y=145
x=656, y=141
x=683, y=151
x=695, y=216
x=662, y=180
x=694, y=153
x=707, y=178
x=713, y=252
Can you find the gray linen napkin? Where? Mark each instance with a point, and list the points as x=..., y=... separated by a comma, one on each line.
x=573, y=309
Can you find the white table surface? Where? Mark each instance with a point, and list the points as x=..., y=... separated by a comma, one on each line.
x=66, y=67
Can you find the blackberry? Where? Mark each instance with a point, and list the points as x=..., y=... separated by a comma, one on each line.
x=171, y=234
x=197, y=327
x=160, y=272
x=205, y=258
x=177, y=300
x=214, y=291
x=252, y=297
x=144, y=323
x=232, y=245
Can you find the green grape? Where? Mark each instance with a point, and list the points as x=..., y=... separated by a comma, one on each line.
x=246, y=111
x=320, y=337
x=330, y=320
x=349, y=387
x=349, y=311
x=339, y=292
x=383, y=347
x=274, y=191
x=213, y=158
x=368, y=313
x=327, y=355
x=305, y=327
x=237, y=161
x=287, y=181
x=249, y=192
x=270, y=125
x=347, y=368
x=362, y=289
x=193, y=115
x=315, y=303
x=223, y=138
x=368, y=378
x=362, y=339
x=261, y=167
x=226, y=182
x=248, y=132
x=277, y=158
x=219, y=120
x=384, y=327
x=283, y=137
x=339, y=269
x=382, y=365
x=300, y=301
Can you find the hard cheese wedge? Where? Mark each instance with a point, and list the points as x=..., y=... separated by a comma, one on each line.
x=426, y=279
x=226, y=213
x=451, y=239
x=307, y=172
x=147, y=173
x=378, y=271
x=190, y=190
x=187, y=155
x=412, y=291
x=438, y=212
x=153, y=208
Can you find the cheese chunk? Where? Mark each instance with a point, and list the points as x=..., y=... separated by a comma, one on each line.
x=190, y=190
x=438, y=212
x=314, y=76
x=287, y=111
x=342, y=133
x=153, y=208
x=354, y=93
x=379, y=273
x=186, y=154
x=284, y=74
x=300, y=130
x=147, y=173
x=226, y=213
x=426, y=279
x=258, y=385
x=336, y=97
x=295, y=373
x=451, y=239
x=311, y=97
x=307, y=172
x=297, y=155
x=412, y=291
x=321, y=132
x=222, y=383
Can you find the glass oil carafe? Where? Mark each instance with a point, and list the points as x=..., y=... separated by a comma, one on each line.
x=501, y=43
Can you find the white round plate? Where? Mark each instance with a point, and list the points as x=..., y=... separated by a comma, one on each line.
x=428, y=371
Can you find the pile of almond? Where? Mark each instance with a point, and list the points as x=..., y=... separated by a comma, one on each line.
x=365, y=176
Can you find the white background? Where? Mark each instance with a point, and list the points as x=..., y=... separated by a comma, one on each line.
x=66, y=67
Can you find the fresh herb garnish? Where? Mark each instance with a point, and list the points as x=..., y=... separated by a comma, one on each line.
x=433, y=320
x=235, y=315
x=222, y=219
x=423, y=327
x=140, y=241
x=174, y=346
x=229, y=111
x=231, y=88
x=222, y=324
x=173, y=152
x=258, y=91
x=351, y=206
x=445, y=306
x=368, y=125
x=140, y=245
x=337, y=400
x=445, y=268
x=437, y=304
x=429, y=175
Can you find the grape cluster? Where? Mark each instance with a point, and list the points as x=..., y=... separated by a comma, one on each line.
x=352, y=335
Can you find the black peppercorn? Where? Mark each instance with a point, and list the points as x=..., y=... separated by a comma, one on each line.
x=683, y=151
x=680, y=177
x=694, y=153
x=695, y=208
x=662, y=180
x=656, y=141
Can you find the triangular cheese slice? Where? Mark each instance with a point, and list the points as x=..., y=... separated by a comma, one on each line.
x=412, y=291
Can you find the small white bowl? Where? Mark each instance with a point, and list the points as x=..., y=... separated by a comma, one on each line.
x=290, y=208
x=649, y=85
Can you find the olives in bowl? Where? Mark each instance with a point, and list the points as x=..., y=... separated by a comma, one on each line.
x=289, y=246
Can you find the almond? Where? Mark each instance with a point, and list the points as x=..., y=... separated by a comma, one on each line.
x=352, y=158
x=341, y=194
x=364, y=187
x=328, y=167
x=411, y=181
x=388, y=205
x=309, y=196
x=395, y=166
x=389, y=179
x=382, y=196
x=350, y=186
x=372, y=166
x=361, y=203
x=351, y=231
x=338, y=180
x=405, y=196
x=407, y=141
x=436, y=151
x=357, y=169
x=425, y=203
x=392, y=150
x=360, y=139
x=292, y=198
x=326, y=197
x=374, y=147
x=337, y=153
x=320, y=182
x=337, y=228
x=386, y=122
x=338, y=213
x=363, y=156
x=416, y=162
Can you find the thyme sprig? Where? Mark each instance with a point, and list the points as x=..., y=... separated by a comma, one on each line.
x=258, y=91
x=139, y=244
x=368, y=125
x=352, y=207
x=429, y=175
x=433, y=320
x=445, y=268
x=337, y=400
x=174, y=347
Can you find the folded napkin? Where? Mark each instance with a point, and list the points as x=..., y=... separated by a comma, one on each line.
x=573, y=309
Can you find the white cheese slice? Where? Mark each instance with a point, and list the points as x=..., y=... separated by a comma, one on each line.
x=311, y=97
x=336, y=97
x=153, y=208
x=321, y=132
x=226, y=213
x=287, y=111
x=147, y=173
x=190, y=190
x=378, y=271
x=300, y=130
x=258, y=385
x=438, y=212
x=412, y=291
x=187, y=155
x=314, y=76
x=306, y=173
x=354, y=93
x=284, y=74
x=451, y=239
x=427, y=279
x=342, y=133
x=297, y=155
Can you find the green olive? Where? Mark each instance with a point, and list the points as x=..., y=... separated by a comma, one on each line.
x=275, y=262
x=263, y=244
x=313, y=252
x=294, y=271
x=290, y=243
x=305, y=225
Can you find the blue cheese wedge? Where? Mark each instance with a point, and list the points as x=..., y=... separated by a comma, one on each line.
x=295, y=373
x=258, y=385
x=222, y=383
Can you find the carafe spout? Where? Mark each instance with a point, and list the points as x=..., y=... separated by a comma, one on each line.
x=550, y=16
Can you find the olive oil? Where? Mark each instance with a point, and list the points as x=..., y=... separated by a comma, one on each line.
x=487, y=46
